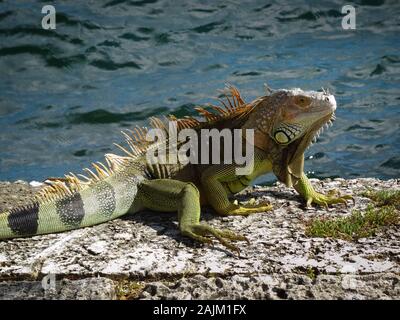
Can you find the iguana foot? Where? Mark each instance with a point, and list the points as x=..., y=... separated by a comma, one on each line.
x=204, y=233
x=331, y=198
x=245, y=210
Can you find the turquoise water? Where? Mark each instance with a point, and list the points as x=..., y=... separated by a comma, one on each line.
x=65, y=94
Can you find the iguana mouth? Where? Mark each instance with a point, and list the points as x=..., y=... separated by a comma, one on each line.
x=319, y=126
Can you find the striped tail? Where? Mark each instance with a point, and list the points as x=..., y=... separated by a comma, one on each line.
x=101, y=202
x=19, y=222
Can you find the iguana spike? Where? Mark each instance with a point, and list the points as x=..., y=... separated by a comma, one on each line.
x=131, y=140
x=225, y=106
x=236, y=94
x=73, y=182
x=134, y=135
x=137, y=149
x=234, y=102
x=57, y=187
x=127, y=136
x=192, y=121
x=231, y=108
x=115, y=160
x=141, y=133
x=153, y=122
x=219, y=110
x=188, y=123
x=73, y=175
x=124, y=150
x=106, y=169
x=95, y=177
x=141, y=130
x=203, y=112
x=58, y=190
x=100, y=172
x=70, y=177
x=160, y=124
x=85, y=177
x=131, y=146
x=157, y=123
x=268, y=89
x=67, y=190
x=109, y=164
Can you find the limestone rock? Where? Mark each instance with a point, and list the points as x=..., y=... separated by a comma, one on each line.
x=281, y=262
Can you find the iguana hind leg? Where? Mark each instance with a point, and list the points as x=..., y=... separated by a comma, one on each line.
x=173, y=195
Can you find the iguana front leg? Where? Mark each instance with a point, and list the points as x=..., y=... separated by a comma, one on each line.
x=173, y=195
x=305, y=188
x=213, y=180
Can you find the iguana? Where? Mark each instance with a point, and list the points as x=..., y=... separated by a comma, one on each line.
x=285, y=122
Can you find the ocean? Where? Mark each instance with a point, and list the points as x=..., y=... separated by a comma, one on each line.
x=66, y=93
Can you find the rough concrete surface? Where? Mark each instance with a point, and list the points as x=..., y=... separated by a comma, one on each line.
x=146, y=251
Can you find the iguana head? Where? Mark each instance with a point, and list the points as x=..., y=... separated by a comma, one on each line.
x=293, y=114
x=290, y=120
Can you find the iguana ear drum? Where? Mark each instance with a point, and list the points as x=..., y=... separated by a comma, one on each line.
x=281, y=137
x=287, y=132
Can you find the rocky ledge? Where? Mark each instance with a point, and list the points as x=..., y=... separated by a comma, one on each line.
x=143, y=256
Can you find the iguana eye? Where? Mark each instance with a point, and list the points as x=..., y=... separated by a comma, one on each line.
x=302, y=101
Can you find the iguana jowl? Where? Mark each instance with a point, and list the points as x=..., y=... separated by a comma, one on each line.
x=284, y=122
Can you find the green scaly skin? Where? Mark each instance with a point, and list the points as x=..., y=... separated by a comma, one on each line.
x=284, y=123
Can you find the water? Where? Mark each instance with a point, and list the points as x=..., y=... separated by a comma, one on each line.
x=65, y=94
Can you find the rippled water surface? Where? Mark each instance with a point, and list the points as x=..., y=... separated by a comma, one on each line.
x=65, y=94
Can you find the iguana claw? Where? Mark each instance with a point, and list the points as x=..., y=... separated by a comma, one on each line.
x=236, y=210
x=203, y=233
x=325, y=200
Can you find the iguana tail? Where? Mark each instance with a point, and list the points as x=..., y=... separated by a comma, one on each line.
x=100, y=202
